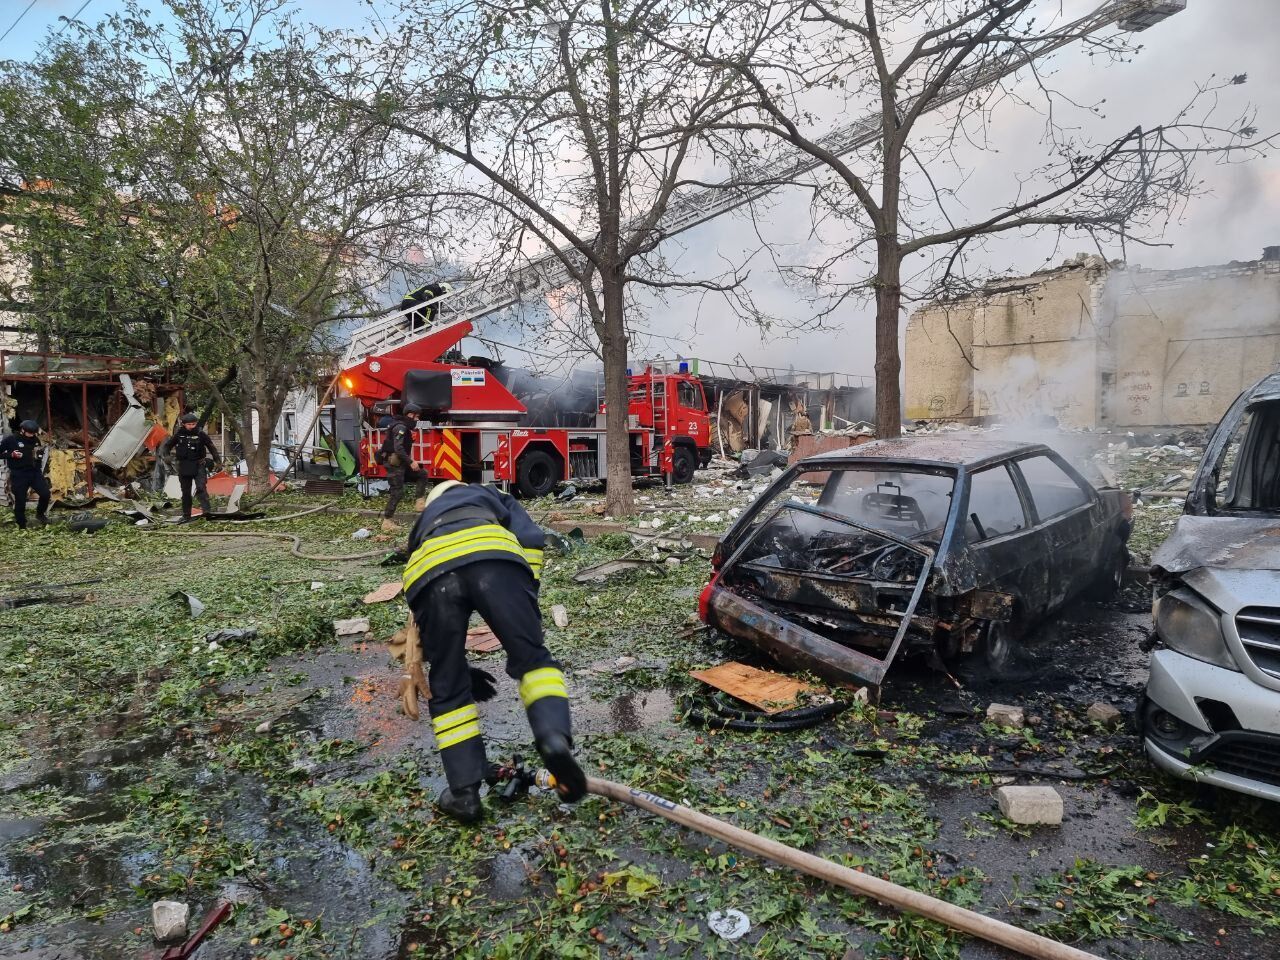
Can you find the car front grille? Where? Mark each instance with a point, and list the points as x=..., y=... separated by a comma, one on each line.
x=1254, y=756
x=1259, y=629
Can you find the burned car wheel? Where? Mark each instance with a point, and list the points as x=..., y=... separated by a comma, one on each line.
x=998, y=649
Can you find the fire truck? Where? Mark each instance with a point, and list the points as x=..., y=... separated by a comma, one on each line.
x=470, y=424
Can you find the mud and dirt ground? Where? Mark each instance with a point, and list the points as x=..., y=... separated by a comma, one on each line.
x=141, y=762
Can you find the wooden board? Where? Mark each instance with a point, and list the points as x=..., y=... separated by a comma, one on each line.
x=770, y=692
x=481, y=640
x=388, y=591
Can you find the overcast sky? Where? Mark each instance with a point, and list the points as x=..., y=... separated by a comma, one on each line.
x=1238, y=213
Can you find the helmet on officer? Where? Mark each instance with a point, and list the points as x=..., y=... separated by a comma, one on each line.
x=189, y=419
x=412, y=410
x=29, y=426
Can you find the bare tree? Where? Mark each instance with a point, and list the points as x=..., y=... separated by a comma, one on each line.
x=577, y=134
x=931, y=77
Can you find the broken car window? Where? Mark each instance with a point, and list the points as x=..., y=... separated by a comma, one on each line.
x=1248, y=475
x=994, y=505
x=1053, y=490
x=905, y=503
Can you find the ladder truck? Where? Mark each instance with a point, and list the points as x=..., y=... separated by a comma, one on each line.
x=468, y=427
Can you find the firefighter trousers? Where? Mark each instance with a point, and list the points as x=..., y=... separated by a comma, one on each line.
x=397, y=477
x=23, y=482
x=506, y=595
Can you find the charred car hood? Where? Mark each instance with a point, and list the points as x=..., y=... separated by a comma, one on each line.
x=1225, y=543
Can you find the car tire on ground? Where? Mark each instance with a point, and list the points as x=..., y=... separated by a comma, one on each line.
x=537, y=474
x=683, y=462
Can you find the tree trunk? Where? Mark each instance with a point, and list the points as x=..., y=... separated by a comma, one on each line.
x=620, y=501
x=888, y=363
x=259, y=465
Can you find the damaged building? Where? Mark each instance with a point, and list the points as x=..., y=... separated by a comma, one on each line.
x=1097, y=345
x=102, y=416
x=768, y=408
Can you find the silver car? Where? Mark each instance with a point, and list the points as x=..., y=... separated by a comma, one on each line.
x=1212, y=706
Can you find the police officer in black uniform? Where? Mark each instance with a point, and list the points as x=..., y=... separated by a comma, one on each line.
x=476, y=549
x=195, y=452
x=21, y=451
x=396, y=455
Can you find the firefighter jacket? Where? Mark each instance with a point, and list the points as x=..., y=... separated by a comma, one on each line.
x=467, y=523
x=189, y=447
x=28, y=450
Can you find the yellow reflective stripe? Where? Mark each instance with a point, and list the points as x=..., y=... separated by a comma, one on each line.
x=446, y=721
x=455, y=736
x=457, y=550
x=432, y=550
x=489, y=529
x=476, y=546
x=543, y=682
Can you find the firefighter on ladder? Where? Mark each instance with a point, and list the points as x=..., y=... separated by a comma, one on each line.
x=420, y=319
x=397, y=456
x=475, y=549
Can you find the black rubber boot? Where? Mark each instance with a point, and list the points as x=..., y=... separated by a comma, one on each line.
x=557, y=754
x=462, y=804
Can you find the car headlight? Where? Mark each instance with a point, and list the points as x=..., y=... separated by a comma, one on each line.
x=1187, y=624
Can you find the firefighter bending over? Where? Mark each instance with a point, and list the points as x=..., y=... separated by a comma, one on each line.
x=476, y=549
x=196, y=455
x=397, y=456
x=21, y=452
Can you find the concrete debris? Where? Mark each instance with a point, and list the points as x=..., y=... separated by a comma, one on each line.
x=1030, y=805
x=729, y=924
x=169, y=920
x=1003, y=715
x=364, y=533
x=317, y=585
x=1105, y=714
x=263, y=727
x=560, y=616
x=355, y=625
x=671, y=562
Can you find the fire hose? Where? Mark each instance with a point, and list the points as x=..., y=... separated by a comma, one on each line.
x=516, y=779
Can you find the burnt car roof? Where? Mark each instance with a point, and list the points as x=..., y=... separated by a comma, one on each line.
x=955, y=450
x=1268, y=388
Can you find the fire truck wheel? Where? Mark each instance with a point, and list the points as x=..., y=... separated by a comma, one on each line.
x=537, y=474
x=683, y=462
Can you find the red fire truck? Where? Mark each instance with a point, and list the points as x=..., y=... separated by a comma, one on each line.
x=469, y=425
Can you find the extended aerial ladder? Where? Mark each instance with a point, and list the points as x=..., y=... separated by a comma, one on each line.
x=548, y=271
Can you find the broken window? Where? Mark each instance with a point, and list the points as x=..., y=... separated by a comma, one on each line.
x=994, y=505
x=1053, y=490
x=1248, y=474
x=1225, y=470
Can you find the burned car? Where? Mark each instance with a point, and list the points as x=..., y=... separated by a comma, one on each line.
x=1212, y=706
x=955, y=543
